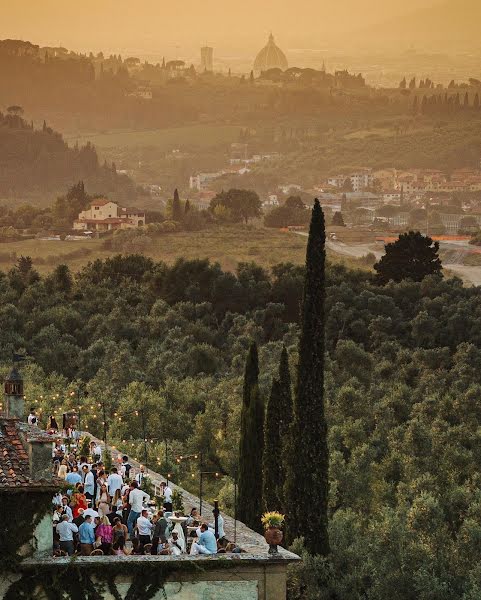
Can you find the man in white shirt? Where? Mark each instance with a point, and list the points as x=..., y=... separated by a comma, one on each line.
x=136, y=500
x=145, y=527
x=32, y=417
x=114, y=482
x=65, y=531
x=167, y=494
x=89, y=483
x=139, y=478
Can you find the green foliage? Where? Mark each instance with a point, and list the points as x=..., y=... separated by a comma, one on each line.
x=177, y=500
x=307, y=483
x=272, y=457
x=239, y=205
x=41, y=160
x=402, y=387
x=251, y=445
x=276, y=429
x=85, y=446
x=27, y=510
x=412, y=256
x=107, y=459
x=293, y=212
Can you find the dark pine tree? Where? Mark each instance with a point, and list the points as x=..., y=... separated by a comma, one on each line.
x=476, y=101
x=176, y=207
x=413, y=256
x=307, y=482
x=249, y=500
x=186, y=207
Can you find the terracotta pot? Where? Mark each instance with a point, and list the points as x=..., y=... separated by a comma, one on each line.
x=273, y=537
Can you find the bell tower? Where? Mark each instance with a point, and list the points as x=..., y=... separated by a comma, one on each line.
x=13, y=395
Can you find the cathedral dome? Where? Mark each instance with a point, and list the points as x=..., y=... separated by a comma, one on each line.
x=270, y=57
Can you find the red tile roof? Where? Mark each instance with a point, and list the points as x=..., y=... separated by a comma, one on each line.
x=100, y=202
x=14, y=462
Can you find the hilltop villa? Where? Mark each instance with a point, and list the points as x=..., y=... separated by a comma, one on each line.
x=104, y=215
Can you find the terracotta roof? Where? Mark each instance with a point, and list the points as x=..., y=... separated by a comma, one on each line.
x=14, y=463
x=100, y=202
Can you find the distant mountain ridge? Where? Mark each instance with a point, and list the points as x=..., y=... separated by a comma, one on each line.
x=445, y=24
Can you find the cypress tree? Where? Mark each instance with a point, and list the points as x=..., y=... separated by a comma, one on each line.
x=271, y=467
x=251, y=445
x=466, y=100
x=176, y=207
x=476, y=101
x=277, y=423
x=307, y=483
x=415, y=105
x=285, y=413
x=186, y=207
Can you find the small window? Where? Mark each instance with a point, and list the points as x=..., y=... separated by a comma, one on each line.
x=97, y=208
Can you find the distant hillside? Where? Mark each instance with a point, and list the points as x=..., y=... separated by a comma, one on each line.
x=39, y=163
x=444, y=25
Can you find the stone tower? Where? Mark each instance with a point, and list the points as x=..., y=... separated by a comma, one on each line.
x=13, y=395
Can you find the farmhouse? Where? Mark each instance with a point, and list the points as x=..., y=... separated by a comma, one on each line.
x=104, y=215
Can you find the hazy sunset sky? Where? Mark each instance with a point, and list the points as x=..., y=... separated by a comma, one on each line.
x=147, y=26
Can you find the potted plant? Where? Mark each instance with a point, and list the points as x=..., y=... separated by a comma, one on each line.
x=272, y=522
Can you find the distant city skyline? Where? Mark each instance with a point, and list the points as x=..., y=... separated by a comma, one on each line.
x=145, y=28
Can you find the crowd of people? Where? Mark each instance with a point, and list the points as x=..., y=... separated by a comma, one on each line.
x=109, y=513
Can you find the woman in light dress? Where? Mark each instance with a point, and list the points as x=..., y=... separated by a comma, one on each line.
x=103, y=501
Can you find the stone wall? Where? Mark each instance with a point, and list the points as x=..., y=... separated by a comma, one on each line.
x=242, y=577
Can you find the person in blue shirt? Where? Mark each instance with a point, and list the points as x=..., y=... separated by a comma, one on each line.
x=206, y=544
x=73, y=478
x=87, y=536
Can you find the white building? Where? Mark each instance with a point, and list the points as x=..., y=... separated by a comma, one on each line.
x=104, y=215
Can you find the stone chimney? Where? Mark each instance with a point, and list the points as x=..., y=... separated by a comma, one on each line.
x=14, y=403
x=40, y=457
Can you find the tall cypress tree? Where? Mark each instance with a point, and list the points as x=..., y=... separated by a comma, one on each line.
x=176, y=207
x=249, y=500
x=307, y=483
x=285, y=412
x=272, y=459
x=278, y=420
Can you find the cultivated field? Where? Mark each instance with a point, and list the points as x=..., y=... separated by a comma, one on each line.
x=192, y=136
x=226, y=245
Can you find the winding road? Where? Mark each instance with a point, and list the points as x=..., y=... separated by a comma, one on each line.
x=470, y=275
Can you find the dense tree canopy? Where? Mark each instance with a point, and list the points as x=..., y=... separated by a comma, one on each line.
x=402, y=387
x=237, y=205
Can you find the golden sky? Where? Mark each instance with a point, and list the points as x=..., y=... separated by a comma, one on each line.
x=156, y=26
